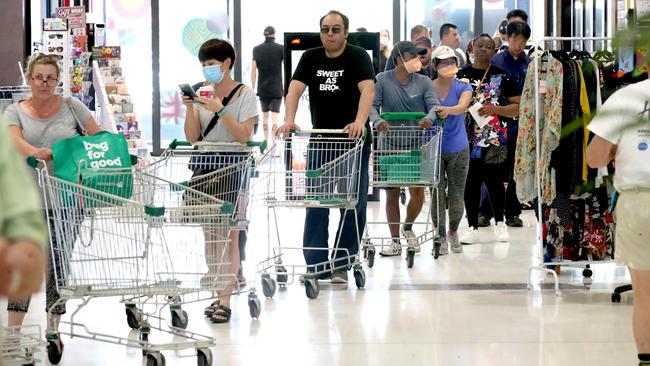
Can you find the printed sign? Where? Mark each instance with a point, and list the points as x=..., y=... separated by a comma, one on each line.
x=55, y=24
x=76, y=16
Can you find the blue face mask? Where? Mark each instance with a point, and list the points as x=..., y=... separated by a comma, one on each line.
x=213, y=73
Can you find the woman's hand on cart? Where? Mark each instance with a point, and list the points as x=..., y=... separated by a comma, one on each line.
x=355, y=130
x=442, y=112
x=286, y=129
x=426, y=123
x=43, y=154
x=382, y=125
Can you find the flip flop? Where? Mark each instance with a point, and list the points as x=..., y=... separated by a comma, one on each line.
x=221, y=315
x=209, y=311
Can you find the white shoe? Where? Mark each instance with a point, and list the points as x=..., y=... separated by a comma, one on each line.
x=391, y=250
x=454, y=242
x=470, y=236
x=444, y=247
x=501, y=232
x=411, y=239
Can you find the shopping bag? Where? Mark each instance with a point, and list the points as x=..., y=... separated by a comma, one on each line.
x=100, y=162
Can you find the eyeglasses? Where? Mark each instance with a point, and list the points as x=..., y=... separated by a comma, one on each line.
x=55, y=49
x=335, y=30
x=48, y=81
x=59, y=36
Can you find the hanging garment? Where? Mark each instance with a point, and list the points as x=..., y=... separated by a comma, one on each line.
x=585, y=118
x=550, y=125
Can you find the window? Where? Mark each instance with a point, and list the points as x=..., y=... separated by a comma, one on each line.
x=434, y=13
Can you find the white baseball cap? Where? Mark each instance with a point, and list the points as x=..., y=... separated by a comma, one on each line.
x=445, y=52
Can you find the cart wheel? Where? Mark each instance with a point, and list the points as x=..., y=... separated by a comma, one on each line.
x=254, y=306
x=133, y=316
x=371, y=257
x=587, y=273
x=282, y=278
x=144, y=337
x=359, y=276
x=155, y=359
x=268, y=286
x=179, y=318
x=311, y=288
x=55, y=350
x=410, y=257
x=402, y=196
x=203, y=357
x=616, y=298
x=436, y=249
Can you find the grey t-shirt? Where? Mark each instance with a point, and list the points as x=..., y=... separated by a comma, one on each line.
x=243, y=108
x=43, y=133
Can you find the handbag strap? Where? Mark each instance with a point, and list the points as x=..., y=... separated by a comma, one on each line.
x=215, y=118
x=81, y=130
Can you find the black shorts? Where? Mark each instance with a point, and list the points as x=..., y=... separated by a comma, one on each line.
x=271, y=104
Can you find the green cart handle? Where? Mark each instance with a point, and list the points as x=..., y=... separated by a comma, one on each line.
x=401, y=116
x=32, y=161
x=261, y=144
x=176, y=143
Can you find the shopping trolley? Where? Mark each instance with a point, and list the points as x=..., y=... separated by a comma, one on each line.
x=146, y=241
x=19, y=345
x=309, y=169
x=221, y=170
x=404, y=156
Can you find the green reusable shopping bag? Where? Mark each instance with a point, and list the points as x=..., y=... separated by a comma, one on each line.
x=101, y=162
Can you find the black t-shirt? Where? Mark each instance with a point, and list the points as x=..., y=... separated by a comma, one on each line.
x=268, y=56
x=497, y=87
x=333, y=84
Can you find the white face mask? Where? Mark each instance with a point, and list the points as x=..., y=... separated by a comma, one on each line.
x=383, y=40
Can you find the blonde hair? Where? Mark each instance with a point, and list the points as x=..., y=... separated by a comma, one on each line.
x=43, y=59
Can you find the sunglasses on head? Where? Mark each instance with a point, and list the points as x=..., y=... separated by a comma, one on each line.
x=59, y=36
x=335, y=30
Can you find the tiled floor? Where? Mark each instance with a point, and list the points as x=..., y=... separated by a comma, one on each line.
x=462, y=309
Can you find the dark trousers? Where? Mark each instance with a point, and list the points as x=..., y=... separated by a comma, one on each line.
x=493, y=175
x=316, y=231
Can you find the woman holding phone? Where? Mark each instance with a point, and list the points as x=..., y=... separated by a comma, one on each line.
x=229, y=116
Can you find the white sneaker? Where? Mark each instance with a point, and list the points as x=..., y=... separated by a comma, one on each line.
x=444, y=247
x=454, y=242
x=470, y=236
x=391, y=250
x=501, y=232
x=411, y=239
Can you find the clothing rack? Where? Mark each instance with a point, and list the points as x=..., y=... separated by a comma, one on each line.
x=543, y=265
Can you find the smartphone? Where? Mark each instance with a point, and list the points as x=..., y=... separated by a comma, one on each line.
x=188, y=91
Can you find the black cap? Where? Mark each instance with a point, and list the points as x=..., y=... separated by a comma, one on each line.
x=407, y=47
x=269, y=31
x=503, y=26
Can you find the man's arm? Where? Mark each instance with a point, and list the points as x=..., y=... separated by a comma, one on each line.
x=296, y=89
x=377, y=103
x=254, y=75
x=511, y=110
x=600, y=152
x=356, y=129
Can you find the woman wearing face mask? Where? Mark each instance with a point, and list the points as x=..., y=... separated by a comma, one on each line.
x=384, y=48
x=234, y=108
x=455, y=96
x=403, y=90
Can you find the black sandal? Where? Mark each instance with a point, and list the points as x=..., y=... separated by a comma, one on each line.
x=221, y=314
x=209, y=311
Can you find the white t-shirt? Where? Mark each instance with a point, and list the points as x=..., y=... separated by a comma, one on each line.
x=624, y=120
x=243, y=108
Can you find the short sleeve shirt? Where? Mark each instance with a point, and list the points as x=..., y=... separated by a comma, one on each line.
x=43, y=133
x=333, y=84
x=268, y=57
x=624, y=120
x=454, y=134
x=497, y=87
x=243, y=108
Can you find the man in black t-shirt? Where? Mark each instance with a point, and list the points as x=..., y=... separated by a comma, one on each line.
x=499, y=97
x=340, y=78
x=267, y=58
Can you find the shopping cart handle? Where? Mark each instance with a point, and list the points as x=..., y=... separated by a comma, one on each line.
x=400, y=116
x=261, y=144
x=175, y=143
x=32, y=161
